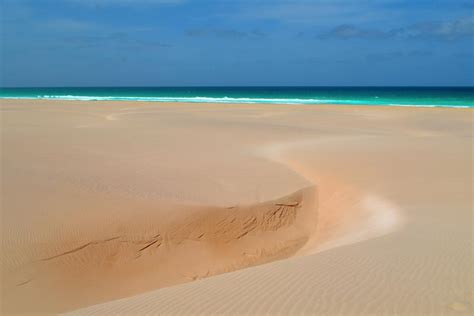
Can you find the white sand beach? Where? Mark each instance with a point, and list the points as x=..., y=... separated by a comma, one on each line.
x=133, y=208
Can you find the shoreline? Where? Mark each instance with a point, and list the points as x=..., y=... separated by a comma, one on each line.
x=167, y=100
x=168, y=103
x=139, y=195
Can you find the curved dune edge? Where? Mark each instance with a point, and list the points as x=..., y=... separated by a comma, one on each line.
x=346, y=214
x=135, y=255
x=150, y=252
x=298, y=225
x=200, y=242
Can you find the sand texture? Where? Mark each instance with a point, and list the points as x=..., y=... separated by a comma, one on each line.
x=140, y=208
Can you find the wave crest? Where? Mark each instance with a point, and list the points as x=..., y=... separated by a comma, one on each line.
x=200, y=99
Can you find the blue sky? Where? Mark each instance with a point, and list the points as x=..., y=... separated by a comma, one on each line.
x=236, y=42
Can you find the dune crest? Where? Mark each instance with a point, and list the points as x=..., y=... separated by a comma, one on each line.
x=347, y=214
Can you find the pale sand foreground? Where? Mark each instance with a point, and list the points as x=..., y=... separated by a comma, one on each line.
x=104, y=200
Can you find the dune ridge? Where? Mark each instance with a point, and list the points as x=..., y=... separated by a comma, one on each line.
x=347, y=214
x=219, y=239
x=154, y=252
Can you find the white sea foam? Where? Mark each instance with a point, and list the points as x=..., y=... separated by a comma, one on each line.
x=200, y=99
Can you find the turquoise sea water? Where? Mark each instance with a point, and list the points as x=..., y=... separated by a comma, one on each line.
x=390, y=96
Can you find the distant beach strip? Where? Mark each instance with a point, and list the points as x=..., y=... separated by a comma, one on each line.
x=456, y=97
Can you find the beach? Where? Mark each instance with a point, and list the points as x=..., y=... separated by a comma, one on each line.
x=116, y=207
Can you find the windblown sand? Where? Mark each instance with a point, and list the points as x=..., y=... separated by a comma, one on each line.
x=147, y=208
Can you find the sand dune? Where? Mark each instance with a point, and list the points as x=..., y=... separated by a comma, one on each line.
x=370, y=207
x=152, y=251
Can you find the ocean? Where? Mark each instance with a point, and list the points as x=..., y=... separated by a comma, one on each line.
x=389, y=96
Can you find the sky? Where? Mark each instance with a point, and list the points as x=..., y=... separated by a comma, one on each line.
x=236, y=43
